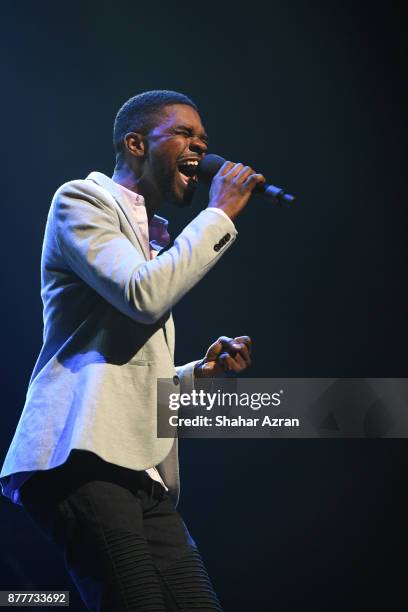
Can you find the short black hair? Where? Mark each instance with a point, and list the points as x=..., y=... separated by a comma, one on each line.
x=139, y=114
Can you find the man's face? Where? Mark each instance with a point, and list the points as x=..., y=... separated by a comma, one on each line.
x=174, y=148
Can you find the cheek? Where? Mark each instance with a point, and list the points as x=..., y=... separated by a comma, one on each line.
x=163, y=160
x=166, y=162
x=161, y=168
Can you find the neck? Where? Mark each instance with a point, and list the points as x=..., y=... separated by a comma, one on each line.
x=125, y=176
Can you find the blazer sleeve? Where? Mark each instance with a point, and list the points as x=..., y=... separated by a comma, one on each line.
x=87, y=231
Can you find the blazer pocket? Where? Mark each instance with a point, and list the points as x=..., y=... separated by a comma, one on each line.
x=139, y=362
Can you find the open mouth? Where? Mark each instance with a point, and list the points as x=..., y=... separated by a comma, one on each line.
x=188, y=171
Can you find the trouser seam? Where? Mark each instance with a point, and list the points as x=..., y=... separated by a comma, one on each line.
x=169, y=591
x=109, y=554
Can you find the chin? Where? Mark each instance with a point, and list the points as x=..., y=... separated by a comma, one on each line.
x=182, y=197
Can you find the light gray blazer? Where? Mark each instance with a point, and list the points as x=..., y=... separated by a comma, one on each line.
x=108, y=332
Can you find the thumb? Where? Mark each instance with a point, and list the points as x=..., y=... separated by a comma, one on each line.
x=217, y=347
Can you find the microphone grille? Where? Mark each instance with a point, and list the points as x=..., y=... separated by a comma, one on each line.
x=209, y=166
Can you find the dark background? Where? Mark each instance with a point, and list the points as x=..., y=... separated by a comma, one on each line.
x=312, y=95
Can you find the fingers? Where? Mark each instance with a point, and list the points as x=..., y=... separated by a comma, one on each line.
x=240, y=344
x=245, y=350
x=235, y=353
x=232, y=170
x=225, y=168
x=243, y=175
x=231, y=364
x=244, y=339
x=253, y=180
x=229, y=344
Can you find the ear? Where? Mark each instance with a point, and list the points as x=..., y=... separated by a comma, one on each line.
x=134, y=143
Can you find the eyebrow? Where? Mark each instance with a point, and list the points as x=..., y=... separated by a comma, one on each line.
x=203, y=135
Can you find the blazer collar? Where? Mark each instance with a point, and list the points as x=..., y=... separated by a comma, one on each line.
x=107, y=183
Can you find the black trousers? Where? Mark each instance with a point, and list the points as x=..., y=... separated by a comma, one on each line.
x=124, y=544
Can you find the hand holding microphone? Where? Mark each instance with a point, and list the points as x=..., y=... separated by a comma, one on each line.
x=232, y=187
x=233, y=184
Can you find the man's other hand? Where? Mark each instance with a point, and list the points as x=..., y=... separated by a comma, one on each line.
x=225, y=356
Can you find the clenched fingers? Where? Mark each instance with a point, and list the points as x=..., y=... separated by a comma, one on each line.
x=236, y=353
x=232, y=364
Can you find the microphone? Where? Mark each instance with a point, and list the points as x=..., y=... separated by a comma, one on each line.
x=210, y=164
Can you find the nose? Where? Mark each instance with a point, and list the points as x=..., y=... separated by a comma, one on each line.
x=197, y=145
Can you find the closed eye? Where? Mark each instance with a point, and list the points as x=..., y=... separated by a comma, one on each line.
x=183, y=132
x=189, y=134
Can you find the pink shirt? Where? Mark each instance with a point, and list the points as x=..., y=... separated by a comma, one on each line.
x=155, y=232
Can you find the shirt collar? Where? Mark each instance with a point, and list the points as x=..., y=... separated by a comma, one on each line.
x=158, y=232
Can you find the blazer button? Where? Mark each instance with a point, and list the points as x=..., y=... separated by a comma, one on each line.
x=176, y=380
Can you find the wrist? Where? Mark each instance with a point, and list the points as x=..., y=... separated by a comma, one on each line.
x=222, y=209
x=198, y=371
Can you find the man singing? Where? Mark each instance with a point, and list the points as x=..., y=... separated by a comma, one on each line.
x=85, y=461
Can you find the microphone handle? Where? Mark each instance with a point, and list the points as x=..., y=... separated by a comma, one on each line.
x=275, y=194
x=210, y=165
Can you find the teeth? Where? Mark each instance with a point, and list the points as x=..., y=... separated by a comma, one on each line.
x=191, y=163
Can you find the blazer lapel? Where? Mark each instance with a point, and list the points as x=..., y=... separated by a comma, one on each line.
x=104, y=181
x=115, y=191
